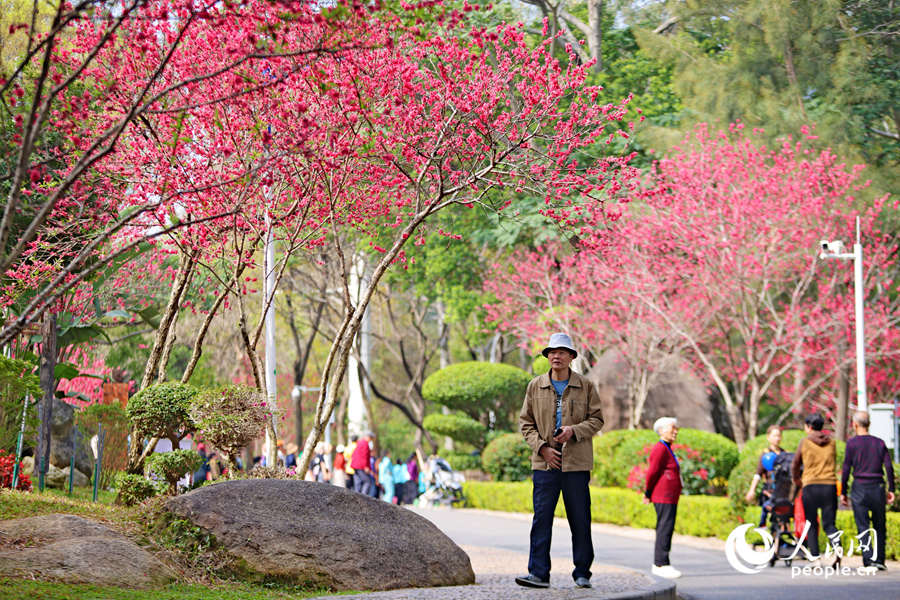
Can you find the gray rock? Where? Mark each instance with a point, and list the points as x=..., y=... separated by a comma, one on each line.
x=678, y=395
x=316, y=533
x=59, y=478
x=74, y=550
x=62, y=436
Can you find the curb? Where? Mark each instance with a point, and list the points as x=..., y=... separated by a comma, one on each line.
x=662, y=589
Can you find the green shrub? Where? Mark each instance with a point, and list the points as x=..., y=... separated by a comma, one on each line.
x=460, y=428
x=707, y=459
x=463, y=462
x=478, y=388
x=755, y=446
x=230, y=417
x=174, y=465
x=162, y=411
x=609, y=470
x=540, y=365
x=134, y=489
x=17, y=381
x=508, y=458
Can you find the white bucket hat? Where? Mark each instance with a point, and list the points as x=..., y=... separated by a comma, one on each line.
x=560, y=340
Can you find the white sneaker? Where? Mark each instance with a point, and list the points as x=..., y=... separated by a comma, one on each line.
x=668, y=571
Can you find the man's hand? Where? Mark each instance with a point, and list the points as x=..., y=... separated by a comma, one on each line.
x=844, y=500
x=553, y=457
x=645, y=500
x=749, y=496
x=566, y=435
x=890, y=497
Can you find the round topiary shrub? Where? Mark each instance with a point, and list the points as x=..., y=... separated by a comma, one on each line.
x=507, y=458
x=162, y=411
x=620, y=459
x=229, y=418
x=478, y=388
x=134, y=489
x=172, y=466
x=612, y=465
x=461, y=428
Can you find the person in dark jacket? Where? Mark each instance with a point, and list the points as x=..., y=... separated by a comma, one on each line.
x=813, y=470
x=663, y=490
x=868, y=458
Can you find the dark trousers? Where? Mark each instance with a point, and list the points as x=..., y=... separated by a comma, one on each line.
x=363, y=483
x=819, y=497
x=665, y=527
x=870, y=498
x=577, y=500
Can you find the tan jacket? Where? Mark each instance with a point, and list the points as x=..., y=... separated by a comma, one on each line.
x=580, y=409
x=815, y=460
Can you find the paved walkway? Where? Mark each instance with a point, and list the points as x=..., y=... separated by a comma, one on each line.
x=495, y=571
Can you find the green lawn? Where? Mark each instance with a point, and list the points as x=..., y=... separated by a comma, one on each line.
x=17, y=589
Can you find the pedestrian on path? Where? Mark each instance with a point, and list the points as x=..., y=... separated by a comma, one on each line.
x=361, y=463
x=868, y=459
x=560, y=415
x=813, y=469
x=773, y=436
x=664, y=486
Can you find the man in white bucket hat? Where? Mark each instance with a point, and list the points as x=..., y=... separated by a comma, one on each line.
x=560, y=415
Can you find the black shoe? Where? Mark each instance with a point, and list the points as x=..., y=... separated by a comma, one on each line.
x=532, y=581
x=879, y=566
x=583, y=582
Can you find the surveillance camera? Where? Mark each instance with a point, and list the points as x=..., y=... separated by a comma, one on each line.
x=824, y=244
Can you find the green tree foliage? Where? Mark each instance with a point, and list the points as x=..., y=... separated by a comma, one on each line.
x=507, y=458
x=172, y=466
x=479, y=389
x=460, y=428
x=17, y=382
x=229, y=418
x=780, y=65
x=162, y=411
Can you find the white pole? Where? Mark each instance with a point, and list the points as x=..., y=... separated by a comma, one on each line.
x=269, y=298
x=861, y=400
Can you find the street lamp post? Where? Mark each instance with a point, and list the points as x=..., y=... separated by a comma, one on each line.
x=835, y=250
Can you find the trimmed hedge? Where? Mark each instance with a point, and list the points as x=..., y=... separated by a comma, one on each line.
x=700, y=516
x=507, y=458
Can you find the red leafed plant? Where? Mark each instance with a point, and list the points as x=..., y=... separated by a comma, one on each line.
x=7, y=465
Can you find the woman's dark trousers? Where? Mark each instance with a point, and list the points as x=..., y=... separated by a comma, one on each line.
x=665, y=527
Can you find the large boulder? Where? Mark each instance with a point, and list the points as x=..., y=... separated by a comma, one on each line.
x=678, y=394
x=320, y=534
x=74, y=550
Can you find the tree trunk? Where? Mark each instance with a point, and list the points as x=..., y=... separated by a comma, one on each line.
x=595, y=39
x=48, y=387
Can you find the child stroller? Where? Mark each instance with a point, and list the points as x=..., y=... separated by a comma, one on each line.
x=781, y=509
x=446, y=485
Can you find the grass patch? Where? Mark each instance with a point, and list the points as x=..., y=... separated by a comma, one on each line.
x=18, y=505
x=17, y=589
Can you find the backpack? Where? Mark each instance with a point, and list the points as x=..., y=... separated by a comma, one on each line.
x=781, y=477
